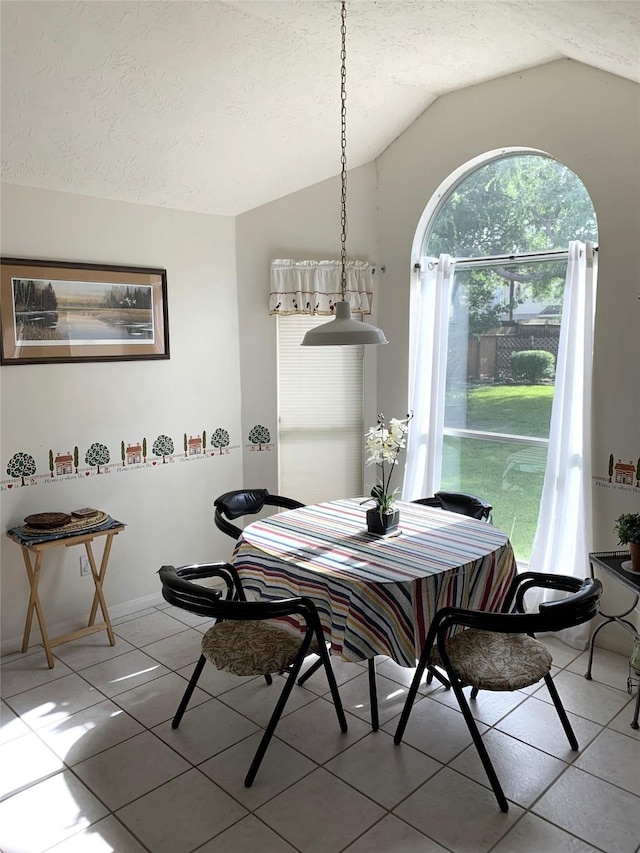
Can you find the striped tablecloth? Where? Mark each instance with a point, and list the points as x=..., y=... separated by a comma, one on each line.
x=376, y=596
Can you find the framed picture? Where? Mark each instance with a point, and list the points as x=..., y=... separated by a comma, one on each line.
x=51, y=311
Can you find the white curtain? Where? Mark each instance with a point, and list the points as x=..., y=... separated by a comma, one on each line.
x=313, y=287
x=428, y=377
x=563, y=538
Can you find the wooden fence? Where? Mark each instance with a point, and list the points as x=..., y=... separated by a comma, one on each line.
x=489, y=357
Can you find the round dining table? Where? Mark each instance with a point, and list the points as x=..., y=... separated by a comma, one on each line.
x=376, y=595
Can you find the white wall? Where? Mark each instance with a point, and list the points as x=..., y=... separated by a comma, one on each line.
x=585, y=118
x=590, y=121
x=303, y=225
x=167, y=508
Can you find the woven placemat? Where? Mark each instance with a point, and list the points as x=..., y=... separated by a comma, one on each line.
x=73, y=526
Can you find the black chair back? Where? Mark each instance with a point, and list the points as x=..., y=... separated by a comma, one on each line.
x=461, y=502
x=232, y=505
x=178, y=589
x=581, y=606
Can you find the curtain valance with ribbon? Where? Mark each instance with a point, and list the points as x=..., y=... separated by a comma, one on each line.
x=314, y=287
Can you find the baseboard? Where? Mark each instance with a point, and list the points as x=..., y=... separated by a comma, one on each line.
x=621, y=646
x=137, y=604
x=116, y=611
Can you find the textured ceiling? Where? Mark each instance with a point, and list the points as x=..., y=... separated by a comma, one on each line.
x=223, y=105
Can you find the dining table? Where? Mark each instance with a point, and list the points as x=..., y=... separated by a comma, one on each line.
x=375, y=595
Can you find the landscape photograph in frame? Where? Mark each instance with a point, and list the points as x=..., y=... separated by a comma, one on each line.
x=54, y=311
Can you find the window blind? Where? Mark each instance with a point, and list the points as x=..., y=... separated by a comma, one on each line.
x=320, y=415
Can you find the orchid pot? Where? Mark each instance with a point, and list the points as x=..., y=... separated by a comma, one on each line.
x=382, y=523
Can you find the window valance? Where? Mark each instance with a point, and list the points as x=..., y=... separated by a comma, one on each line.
x=313, y=287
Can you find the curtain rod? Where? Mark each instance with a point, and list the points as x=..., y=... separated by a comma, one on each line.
x=559, y=254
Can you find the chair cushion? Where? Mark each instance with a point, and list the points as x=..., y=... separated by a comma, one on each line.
x=251, y=648
x=491, y=661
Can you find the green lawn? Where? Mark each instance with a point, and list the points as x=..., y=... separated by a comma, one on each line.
x=508, y=475
x=517, y=409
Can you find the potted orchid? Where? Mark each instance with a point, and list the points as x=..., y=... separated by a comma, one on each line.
x=384, y=443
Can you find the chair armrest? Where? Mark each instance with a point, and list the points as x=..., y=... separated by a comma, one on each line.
x=279, y=500
x=226, y=526
x=179, y=589
x=274, y=609
x=182, y=581
x=579, y=606
x=522, y=583
x=195, y=571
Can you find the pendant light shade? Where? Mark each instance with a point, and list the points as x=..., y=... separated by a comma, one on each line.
x=343, y=330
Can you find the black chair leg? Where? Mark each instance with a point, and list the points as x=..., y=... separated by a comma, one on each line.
x=566, y=725
x=373, y=689
x=411, y=696
x=333, y=685
x=479, y=744
x=191, y=686
x=634, y=721
x=432, y=671
x=268, y=733
x=373, y=695
x=275, y=717
x=315, y=666
x=270, y=729
x=474, y=692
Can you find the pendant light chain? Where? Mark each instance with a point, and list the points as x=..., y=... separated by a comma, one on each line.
x=343, y=330
x=343, y=156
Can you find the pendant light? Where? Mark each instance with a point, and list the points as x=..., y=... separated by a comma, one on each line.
x=343, y=330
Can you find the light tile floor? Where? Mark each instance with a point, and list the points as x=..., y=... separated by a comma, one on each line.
x=89, y=762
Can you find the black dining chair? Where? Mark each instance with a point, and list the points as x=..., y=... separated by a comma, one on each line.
x=240, y=502
x=463, y=503
x=241, y=641
x=498, y=651
x=232, y=505
x=460, y=502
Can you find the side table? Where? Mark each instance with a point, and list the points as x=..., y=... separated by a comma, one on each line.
x=611, y=562
x=38, y=546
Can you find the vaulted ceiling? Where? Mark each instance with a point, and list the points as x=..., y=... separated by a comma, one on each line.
x=224, y=105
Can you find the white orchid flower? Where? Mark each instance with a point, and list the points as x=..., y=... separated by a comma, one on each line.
x=383, y=445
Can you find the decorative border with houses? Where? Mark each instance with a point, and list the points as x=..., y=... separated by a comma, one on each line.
x=24, y=470
x=621, y=475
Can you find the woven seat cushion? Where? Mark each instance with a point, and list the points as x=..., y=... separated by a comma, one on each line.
x=251, y=648
x=491, y=661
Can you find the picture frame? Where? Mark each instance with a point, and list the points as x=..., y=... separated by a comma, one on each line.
x=57, y=311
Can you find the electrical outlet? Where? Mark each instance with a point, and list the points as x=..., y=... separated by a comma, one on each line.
x=85, y=568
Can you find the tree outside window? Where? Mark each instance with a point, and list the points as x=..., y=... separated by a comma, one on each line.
x=504, y=324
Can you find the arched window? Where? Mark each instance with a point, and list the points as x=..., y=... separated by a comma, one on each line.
x=496, y=237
